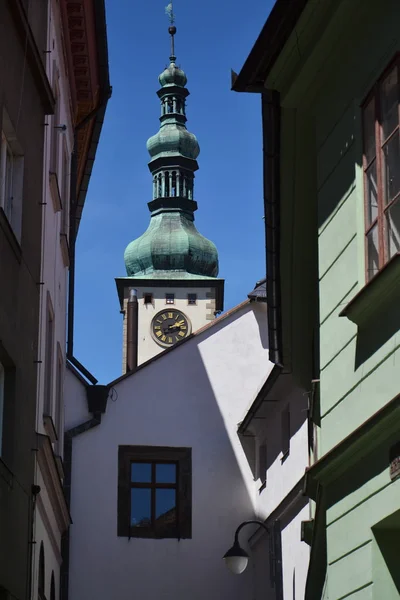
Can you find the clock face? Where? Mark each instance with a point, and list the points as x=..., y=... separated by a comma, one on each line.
x=170, y=326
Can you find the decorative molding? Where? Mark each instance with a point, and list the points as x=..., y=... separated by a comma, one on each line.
x=353, y=448
x=372, y=298
x=55, y=191
x=64, y=248
x=48, y=467
x=50, y=429
x=47, y=525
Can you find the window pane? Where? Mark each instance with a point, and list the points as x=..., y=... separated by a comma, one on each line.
x=373, y=252
x=390, y=102
x=141, y=472
x=165, y=507
x=393, y=228
x=166, y=473
x=391, y=168
x=369, y=130
x=140, y=507
x=371, y=194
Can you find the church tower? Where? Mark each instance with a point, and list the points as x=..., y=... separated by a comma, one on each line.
x=172, y=267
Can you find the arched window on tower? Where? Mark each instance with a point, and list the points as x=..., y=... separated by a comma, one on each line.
x=173, y=186
x=159, y=193
x=190, y=188
x=167, y=190
x=41, y=574
x=52, y=587
x=170, y=105
x=178, y=105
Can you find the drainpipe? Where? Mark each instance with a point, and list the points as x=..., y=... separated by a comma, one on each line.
x=270, y=102
x=132, y=331
x=97, y=396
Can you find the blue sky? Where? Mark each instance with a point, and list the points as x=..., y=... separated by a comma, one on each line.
x=213, y=37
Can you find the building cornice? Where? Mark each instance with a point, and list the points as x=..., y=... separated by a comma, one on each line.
x=149, y=282
x=269, y=44
x=85, y=36
x=353, y=448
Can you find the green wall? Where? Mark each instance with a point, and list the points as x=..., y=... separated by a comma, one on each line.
x=328, y=66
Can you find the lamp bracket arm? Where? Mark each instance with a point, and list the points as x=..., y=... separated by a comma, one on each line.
x=251, y=522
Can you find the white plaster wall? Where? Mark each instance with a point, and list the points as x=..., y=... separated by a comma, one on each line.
x=147, y=347
x=194, y=396
x=46, y=530
x=76, y=409
x=53, y=286
x=295, y=557
x=283, y=476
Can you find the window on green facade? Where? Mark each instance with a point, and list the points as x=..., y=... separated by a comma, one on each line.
x=381, y=164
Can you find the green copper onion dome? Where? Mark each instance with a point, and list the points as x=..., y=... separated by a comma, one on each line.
x=173, y=139
x=173, y=75
x=172, y=243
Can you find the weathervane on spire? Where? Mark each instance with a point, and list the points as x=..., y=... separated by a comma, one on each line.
x=170, y=12
x=171, y=29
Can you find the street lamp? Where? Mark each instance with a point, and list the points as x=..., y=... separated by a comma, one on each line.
x=236, y=558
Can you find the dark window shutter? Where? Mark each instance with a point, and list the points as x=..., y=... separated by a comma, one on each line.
x=123, y=492
x=185, y=495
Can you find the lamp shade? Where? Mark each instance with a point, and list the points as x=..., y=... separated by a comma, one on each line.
x=236, y=559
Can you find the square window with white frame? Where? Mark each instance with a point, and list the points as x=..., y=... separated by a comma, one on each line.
x=11, y=176
x=169, y=298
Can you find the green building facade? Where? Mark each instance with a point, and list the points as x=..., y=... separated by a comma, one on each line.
x=328, y=74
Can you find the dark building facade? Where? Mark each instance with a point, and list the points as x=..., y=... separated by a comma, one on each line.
x=25, y=100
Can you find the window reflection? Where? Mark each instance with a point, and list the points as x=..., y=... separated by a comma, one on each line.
x=140, y=507
x=165, y=473
x=141, y=472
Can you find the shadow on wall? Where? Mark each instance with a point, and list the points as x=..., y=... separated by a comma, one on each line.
x=373, y=464
x=387, y=534
x=262, y=323
x=373, y=334
x=279, y=417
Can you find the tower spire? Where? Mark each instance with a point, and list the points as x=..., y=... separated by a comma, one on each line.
x=172, y=243
x=171, y=29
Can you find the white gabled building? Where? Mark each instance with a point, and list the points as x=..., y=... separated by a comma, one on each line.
x=163, y=477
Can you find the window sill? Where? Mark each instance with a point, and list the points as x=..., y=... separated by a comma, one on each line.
x=144, y=533
x=64, y=248
x=374, y=294
x=55, y=191
x=49, y=428
x=10, y=235
x=60, y=466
